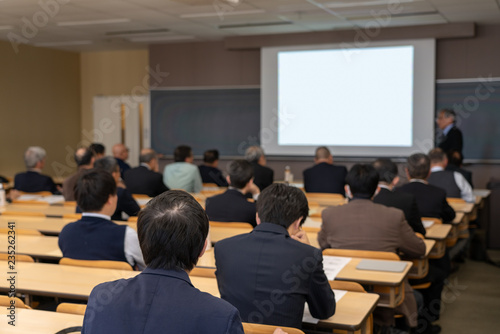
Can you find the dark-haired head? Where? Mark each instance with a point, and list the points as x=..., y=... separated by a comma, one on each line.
x=93, y=189
x=182, y=153
x=97, y=149
x=418, y=166
x=282, y=205
x=386, y=169
x=83, y=156
x=210, y=156
x=362, y=180
x=455, y=158
x=172, y=230
x=240, y=173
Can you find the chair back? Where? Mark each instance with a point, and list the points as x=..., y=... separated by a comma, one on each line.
x=71, y=308
x=346, y=285
x=362, y=254
x=325, y=198
x=5, y=301
x=242, y=225
x=249, y=328
x=96, y=264
x=19, y=231
x=19, y=257
x=455, y=200
x=203, y=272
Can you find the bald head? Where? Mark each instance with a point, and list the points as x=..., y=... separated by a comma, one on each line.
x=120, y=151
x=84, y=157
x=323, y=155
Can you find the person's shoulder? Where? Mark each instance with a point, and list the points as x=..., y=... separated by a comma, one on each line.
x=436, y=190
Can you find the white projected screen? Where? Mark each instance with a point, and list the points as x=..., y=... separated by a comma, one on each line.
x=359, y=102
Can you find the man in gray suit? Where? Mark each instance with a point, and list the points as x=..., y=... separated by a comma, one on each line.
x=364, y=225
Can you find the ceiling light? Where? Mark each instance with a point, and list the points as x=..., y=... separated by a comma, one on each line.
x=160, y=38
x=214, y=14
x=91, y=22
x=63, y=43
x=253, y=25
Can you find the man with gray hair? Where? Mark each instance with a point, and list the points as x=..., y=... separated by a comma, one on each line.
x=263, y=176
x=451, y=136
x=33, y=180
x=145, y=179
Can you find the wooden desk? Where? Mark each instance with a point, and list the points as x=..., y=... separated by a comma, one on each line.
x=57, y=211
x=40, y=322
x=351, y=314
x=420, y=267
x=55, y=280
x=439, y=233
x=219, y=233
x=38, y=247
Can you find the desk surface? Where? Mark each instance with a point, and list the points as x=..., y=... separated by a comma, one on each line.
x=40, y=322
x=45, y=209
x=438, y=231
x=38, y=247
x=462, y=207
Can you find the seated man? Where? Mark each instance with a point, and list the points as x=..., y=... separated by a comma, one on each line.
x=324, y=176
x=145, y=179
x=431, y=200
x=453, y=183
x=455, y=162
x=95, y=236
x=84, y=160
x=172, y=233
x=32, y=180
x=120, y=153
x=263, y=273
x=388, y=178
x=263, y=176
x=182, y=174
x=98, y=150
x=364, y=225
x=233, y=206
x=209, y=171
x=126, y=203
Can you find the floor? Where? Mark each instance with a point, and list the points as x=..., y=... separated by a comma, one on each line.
x=471, y=299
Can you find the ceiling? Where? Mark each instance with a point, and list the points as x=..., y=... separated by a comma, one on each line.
x=92, y=25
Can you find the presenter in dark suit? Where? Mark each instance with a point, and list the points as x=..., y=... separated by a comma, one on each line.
x=233, y=205
x=270, y=273
x=209, y=171
x=431, y=200
x=33, y=180
x=172, y=233
x=388, y=178
x=145, y=178
x=263, y=176
x=95, y=236
x=364, y=225
x=451, y=136
x=324, y=176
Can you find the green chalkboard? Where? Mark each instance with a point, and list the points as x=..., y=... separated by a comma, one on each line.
x=477, y=105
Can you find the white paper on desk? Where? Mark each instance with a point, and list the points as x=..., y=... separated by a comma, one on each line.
x=52, y=199
x=27, y=197
x=333, y=265
x=427, y=223
x=307, y=314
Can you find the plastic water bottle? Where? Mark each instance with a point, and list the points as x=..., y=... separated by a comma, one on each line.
x=288, y=174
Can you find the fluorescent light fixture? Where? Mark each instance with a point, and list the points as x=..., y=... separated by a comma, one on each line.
x=160, y=38
x=365, y=3
x=6, y=27
x=254, y=25
x=228, y=13
x=92, y=22
x=63, y=43
x=132, y=32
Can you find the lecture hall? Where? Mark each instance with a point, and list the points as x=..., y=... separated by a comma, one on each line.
x=249, y=166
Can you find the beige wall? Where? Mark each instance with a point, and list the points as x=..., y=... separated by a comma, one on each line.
x=40, y=105
x=110, y=73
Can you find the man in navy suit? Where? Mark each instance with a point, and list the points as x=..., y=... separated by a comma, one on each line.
x=145, y=178
x=33, y=180
x=233, y=205
x=451, y=136
x=324, y=176
x=270, y=273
x=209, y=171
x=172, y=233
x=388, y=178
x=95, y=236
